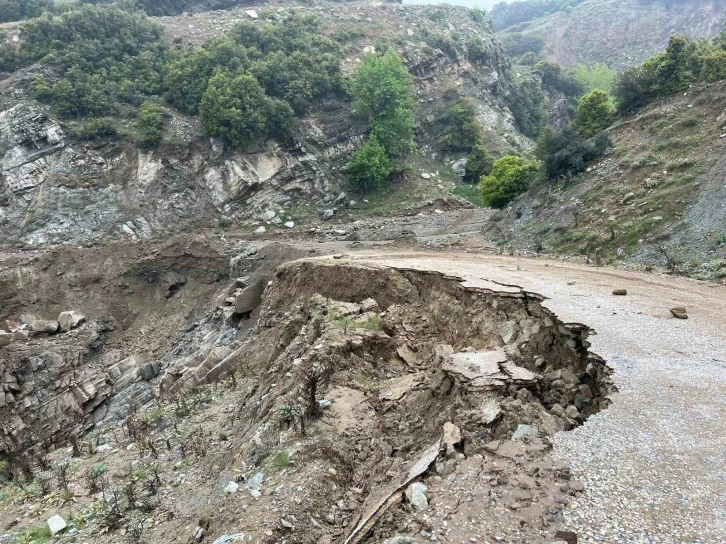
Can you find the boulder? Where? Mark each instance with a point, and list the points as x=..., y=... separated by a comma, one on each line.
x=529, y=431
x=21, y=335
x=620, y=292
x=268, y=215
x=452, y=437
x=250, y=297
x=5, y=338
x=252, y=14
x=70, y=320
x=38, y=324
x=679, y=312
x=260, y=230
x=290, y=224
x=56, y=524
x=490, y=411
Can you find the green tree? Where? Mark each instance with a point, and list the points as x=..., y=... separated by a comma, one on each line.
x=566, y=152
x=151, y=124
x=369, y=166
x=381, y=90
x=671, y=67
x=233, y=107
x=510, y=177
x=594, y=113
x=478, y=164
x=714, y=66
x=528, y=109
x=596, y=76
x=465, y=131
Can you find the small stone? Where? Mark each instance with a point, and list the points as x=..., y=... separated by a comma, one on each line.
x=231, y=488
x=70, y=320
x=199, y=534
x=255, y=494
x=409, y=32
x=252, y=14
x=260, y=230
x=572, y=412
x=679, y=312
x=56, y=524
x=416, y=495
x=620, y=292
x=568, y=536
x=490, y=411
x=627, y=198
x=5, y=338
x=530, y=431
x=452, y=436
x=576, y=486
x=290, y=224
x=426, y=176
x=286, y=524
x=267, y=215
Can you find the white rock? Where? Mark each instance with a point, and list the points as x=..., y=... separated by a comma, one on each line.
x=56, y=524
x=70, y=320
x=268, y=215
x=369, y=49
x=490, y=411
x=290, y=224
x=260, y=230
x=252, y=14
x=525, y=430
x=231, y=488
x=409, y=32
x=416, y=495
x=426, y=176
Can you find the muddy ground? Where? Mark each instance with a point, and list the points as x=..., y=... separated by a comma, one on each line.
x=231, y=441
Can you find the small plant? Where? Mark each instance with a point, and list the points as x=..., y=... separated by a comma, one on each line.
x=281, y=459
x=94, y=477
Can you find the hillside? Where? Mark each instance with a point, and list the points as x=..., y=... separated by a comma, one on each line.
x=619, y=33
x=58, y=187
x=657, y=199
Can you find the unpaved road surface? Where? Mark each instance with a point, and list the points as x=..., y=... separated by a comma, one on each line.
x=654, y=462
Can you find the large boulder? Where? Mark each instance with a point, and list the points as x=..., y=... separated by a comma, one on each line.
x=250, y=297
x=70, y=320
x=38, y=324
x=5, y=338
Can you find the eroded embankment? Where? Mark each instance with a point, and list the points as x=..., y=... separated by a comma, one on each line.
x=375, y=370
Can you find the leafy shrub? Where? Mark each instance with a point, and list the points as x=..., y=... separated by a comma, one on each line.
x=443, y=41
x=529, y=59
x=151, y=123
x=566, y=152
x=596, y=76
x=528, y=109
x=465, y=131
x=594, y=113
x=18, y=10
x=477, y=15
x=517, y=44
x=714, y=66
x=382, y=97
x=101, y=127
x=510, y=177
x=478, y=164
x=476, y=49
x=369, y=166
x=554, y=77
x=235, y=107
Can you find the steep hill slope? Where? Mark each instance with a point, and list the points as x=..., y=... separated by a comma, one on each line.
x=57, y=188
x=620, y=33
x=657, y=199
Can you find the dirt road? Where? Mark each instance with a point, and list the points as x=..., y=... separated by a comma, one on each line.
x=654, y=463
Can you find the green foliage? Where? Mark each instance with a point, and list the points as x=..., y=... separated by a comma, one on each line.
x=528, y=109
x=714, y=66
x=555, y=78
x=369, y=166
x=594, y=113
x=517, y=44
x=478, y=164
x=381, y=89
x=441, y=40
x=597, y=76
x=100, y=127
x=567, y=152
x=476, y=49
x=465, y=131
x=19, y=10
x=477, y=15
x=504, y=15
x=151, y=124
x=235, y=107
x=529, y=59
x=510, y=177
x=682, y=63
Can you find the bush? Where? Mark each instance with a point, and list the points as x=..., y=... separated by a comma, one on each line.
x=369, y=166
x=382, y=97
x=440, y=40
x=477, y=15
x=555, y=78
x=528, y=109
x=566, y=152
x=596, y=76
x=510, y=177
x=465, y=131
x=476, y=49
x=151, y=124
x=236, y=108
x=478, y=164
x=517, y=44
x=594, y=113
x=102, y=127
x=714, y=66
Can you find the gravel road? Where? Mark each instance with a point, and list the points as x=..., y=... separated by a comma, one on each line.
x=654, y=462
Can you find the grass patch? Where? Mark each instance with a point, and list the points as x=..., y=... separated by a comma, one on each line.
x=281, y=459
x=372, y=324
x=38, y=534
x=470, y=192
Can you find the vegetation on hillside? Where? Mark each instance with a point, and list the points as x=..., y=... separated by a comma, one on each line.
x=682, y=63
x=504, y=15
x=510, y=177
x=246, y=85
x=594, y=113
x=382, y=98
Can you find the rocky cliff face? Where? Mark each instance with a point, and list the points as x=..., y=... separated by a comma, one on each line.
x=55, y=188
x=622, y=33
